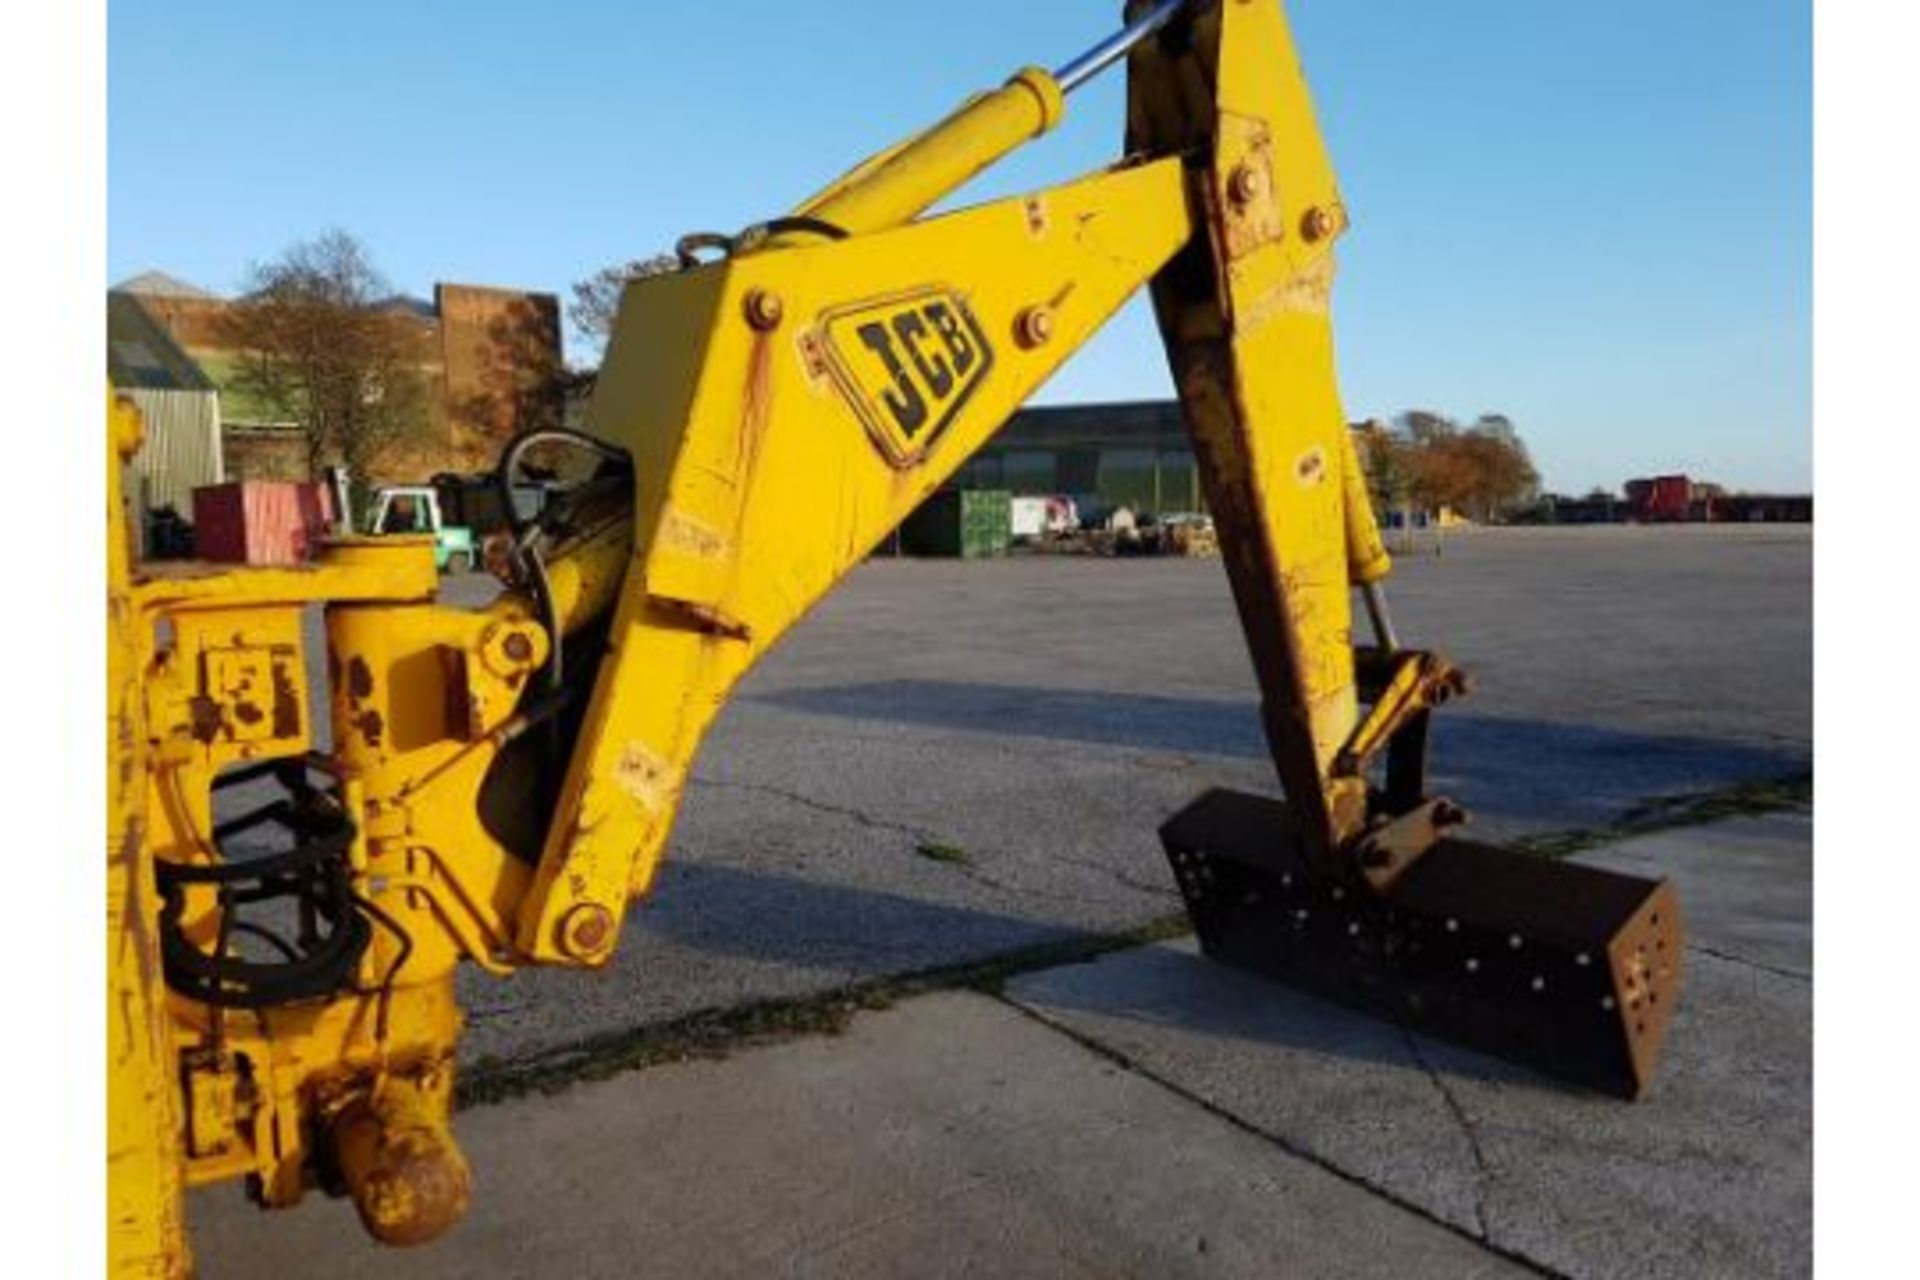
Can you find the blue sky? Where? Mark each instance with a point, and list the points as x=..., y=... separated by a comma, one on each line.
x=1595, y=218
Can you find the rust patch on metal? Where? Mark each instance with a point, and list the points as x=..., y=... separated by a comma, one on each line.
x=409, y=1185
x=813, y=357
x=370, y=726
x=134, y=932
x=1036, y=210
x=1551, y=964
x=1246, y=203
x=756, y=412
x=359, y=679
x=710, y=620
x=1219, y=424
x=286, y=703
x=1311, y=468
x=203, y=718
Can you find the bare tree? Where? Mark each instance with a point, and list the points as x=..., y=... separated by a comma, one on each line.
x=314, y=338
x=596, y=300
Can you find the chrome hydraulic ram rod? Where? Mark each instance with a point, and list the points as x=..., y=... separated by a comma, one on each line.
x=1115, y=47
x=1383, y=634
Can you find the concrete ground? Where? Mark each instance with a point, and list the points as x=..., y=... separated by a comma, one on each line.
x=1035, y=720
x=1711, y=1174
x=1041, y=717
x=1152, y=1114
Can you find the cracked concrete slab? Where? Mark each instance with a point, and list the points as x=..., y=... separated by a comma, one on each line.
x=1043, y=717
x=1746, y=885
x=950, y=1136
x=1709, y=1175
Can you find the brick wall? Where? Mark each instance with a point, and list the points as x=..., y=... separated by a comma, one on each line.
x=500, y=353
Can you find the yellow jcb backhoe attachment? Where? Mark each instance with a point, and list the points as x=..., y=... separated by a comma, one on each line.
x=786, y=406
x=501, y=781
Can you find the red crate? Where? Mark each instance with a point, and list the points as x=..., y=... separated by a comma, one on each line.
x=259, y=522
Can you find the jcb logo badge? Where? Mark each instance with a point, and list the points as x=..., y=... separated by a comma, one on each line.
x=907, y=364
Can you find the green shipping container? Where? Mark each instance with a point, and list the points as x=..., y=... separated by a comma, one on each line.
x=971, y=524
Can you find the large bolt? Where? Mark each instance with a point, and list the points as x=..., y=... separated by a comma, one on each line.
x=1318, y=223
x=764, y=309
x=586, y=930
x=1246, y=184
x=507, y=650
x=1034, y=327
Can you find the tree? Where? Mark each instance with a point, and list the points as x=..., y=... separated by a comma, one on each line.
x=596, y=300
x=1384, y=459
x=1482, y=471
x=314, y=338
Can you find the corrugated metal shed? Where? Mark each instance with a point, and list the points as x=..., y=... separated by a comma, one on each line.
x=178, y=403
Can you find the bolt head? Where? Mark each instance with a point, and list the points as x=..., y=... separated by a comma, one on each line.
x=518, y=646
x=764, y=309
x=1317, y=224
x=1035, y=326
x=586, y=931
x=1246, y=184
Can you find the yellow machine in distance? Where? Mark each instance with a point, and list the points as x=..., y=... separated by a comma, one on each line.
x=501, y=782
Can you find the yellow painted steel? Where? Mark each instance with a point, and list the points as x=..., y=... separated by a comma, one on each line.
x=207, y=670
x=1251, y=342
x=903, y=181
x=761, y=481
x=784, y=410
x=145, y=1232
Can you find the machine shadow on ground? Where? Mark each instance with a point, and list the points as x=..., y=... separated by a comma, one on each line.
x=1521, y=771
x=789, y=920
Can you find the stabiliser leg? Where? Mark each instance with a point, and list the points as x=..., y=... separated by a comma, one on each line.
x=1582, y=991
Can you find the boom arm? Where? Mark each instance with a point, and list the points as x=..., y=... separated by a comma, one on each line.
x=787, y=407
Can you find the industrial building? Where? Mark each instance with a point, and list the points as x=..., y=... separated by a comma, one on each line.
x=181, y=448
x=490, y=357
x=1133, y=454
